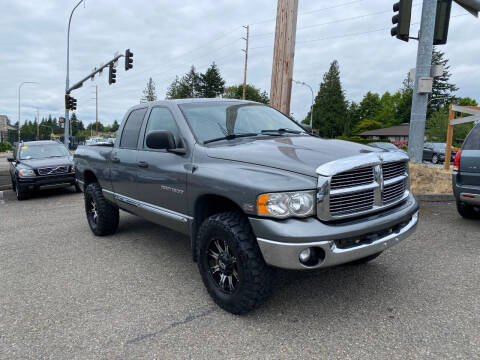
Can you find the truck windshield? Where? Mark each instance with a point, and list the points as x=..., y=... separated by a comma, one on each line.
x=221, y=120
x=28, y=152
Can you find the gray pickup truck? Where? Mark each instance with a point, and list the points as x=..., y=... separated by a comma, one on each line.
x=251, y=188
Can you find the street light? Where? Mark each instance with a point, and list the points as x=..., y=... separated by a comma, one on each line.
x=313, y=98
x=67, y=80
x=19, y=88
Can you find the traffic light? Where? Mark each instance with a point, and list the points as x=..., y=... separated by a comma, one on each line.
x=67, y=102
x=402, y=19
x=112, y=75
x=73, y=103
x=70, y=102
x=442, y=22
x=128, y=60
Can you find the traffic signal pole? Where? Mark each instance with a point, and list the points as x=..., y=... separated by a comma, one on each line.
x=420, y=100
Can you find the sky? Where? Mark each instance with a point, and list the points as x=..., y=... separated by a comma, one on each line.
x=168, y=37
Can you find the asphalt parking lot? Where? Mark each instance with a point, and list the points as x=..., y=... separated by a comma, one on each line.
x=65, y=294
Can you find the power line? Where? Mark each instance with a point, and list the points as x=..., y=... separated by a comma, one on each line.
x=332, y=22
x=311, y=11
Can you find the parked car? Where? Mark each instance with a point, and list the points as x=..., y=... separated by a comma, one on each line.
x=251, y=188
x=466, y=176
x=435, y=152
x=97, y=141
x=385, y=146
x=40, y=164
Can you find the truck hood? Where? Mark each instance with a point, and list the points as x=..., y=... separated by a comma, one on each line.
x=300, y=154
x=52, y=161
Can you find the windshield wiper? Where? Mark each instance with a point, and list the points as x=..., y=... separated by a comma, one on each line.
x=282, y=131
x=230, y=137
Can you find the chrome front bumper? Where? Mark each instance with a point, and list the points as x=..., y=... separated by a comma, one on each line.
x=286, y=254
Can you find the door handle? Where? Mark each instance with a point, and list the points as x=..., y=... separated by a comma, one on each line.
x=143, y=164
x=115, y=159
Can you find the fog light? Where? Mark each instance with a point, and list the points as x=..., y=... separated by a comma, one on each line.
x=305, y=255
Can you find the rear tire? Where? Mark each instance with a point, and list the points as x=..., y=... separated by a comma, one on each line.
x=102, y=216
x=228, y=250
x=467, y=211
x=435, y=159
x=365, y=259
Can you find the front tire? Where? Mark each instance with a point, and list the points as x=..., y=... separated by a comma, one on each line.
x=102, y=216
x=467, y=211
x=435, y=159
x=20, y=193
x=231, y=264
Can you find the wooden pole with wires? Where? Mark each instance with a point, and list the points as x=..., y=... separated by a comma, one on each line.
x=283, y=55
x=96, y=108
x=246, y=62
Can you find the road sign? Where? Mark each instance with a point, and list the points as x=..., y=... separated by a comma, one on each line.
x=466, y=110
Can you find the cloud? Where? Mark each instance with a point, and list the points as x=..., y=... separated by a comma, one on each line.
x=168, y=37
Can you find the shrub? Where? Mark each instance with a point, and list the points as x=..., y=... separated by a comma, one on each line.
x=5, y=146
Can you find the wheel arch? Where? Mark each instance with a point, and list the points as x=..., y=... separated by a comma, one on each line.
x=205, y=206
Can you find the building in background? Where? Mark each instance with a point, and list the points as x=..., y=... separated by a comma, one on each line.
x=5, y=127
x=394, y=134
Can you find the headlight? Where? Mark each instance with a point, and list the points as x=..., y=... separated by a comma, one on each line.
x=288, y=204
x=26, y=172
x=72, y=169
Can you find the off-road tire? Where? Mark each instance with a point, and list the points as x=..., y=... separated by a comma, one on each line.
x=21, y=194
x=255, y=276
x=467, y=211
x=365, y=260
x=107, y=214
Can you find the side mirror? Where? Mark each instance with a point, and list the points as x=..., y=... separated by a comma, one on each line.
x=307, y=128
x=160, y=140
x=10, y=159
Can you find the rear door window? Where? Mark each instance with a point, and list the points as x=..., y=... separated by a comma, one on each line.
x=131, y=130
x=473, y=140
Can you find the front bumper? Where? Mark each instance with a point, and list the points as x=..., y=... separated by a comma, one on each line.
x=36, y=182
x=282, y=241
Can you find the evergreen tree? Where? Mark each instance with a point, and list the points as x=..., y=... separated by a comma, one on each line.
x=211, y=83
x=330, y=107
x=369, y=106
x=251, y=93
x=186, y=87
x=442, y=91
x=149, y=93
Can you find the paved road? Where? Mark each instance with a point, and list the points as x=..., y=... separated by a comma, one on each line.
x=65, y=294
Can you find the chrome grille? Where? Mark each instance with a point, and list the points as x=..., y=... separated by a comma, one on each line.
x=53, y=170
x=393, y=170
x=361, y=184
x=351, y=203
x=393, y=192
x=356, y=177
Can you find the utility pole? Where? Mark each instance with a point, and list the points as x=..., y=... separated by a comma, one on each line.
x=96, y=108
x=420, y=100
x=38, y=125
x=283, y=55
x=246, y=62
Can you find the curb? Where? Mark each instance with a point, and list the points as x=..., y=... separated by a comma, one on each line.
x=434, y=197
x=5, y=187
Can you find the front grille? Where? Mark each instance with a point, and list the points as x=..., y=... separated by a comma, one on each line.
x=393, y=192
x=394, y=169
x=352, y=178
x=53, y=170
x=351, y=203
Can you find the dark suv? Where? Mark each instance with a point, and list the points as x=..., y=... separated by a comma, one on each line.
x=466, y=176
x=37, y=164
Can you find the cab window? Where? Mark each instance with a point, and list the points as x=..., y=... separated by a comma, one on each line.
x=131, y=130
x=160, y=119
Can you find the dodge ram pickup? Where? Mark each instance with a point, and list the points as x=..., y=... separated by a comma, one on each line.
x=251, y=188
